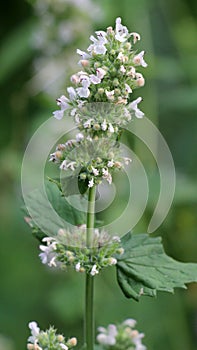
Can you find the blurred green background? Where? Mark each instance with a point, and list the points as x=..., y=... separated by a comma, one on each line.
x=28, y=290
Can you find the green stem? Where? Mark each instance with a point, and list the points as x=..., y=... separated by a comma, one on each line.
x=89, y=295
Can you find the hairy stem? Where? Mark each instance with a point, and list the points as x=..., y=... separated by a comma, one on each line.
x=89, y=295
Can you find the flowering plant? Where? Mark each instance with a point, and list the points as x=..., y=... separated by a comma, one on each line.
x=100, y=105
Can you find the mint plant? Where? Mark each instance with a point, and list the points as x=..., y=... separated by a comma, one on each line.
x=100, y=104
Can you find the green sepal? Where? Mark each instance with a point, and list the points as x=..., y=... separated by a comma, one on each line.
x=144, y=268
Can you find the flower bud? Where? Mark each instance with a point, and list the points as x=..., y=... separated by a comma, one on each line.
x=60, y=338
x=99, y=160
x=75, y=79
x=117, y=91
x=84, y=63
x=58, y=154
x=97, y=64
x=112, y=52
x=115, y=82
x=72, y=342
x=139, y=79
x=61, y=147
x=69, y=253
x=61, y=232
x=96, y=126
x=110, y=30
x=127, y=46
x=30, y=346
x=71, y=259
x=112, y=261
x=118, y=164
x=83, y=176
x=101, y=91
x=120, y=251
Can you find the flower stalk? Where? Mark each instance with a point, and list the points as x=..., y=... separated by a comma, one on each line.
x=89, y=292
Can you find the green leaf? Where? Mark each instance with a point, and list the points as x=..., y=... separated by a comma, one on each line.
x=51, y=212
x=144, y=268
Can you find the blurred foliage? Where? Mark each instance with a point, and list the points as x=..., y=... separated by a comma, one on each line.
x=29, y=291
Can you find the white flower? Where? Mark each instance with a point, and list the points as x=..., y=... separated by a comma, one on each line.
x=100, y=72
x=63, y=166
x=87, y=124
x=137, y=340
x=98, y=45
x=71, y=166
x=79, y=137
x=77, y=267
x=127, y=160
x=107, y=175
x=104, y=125
x=94, y=270
x=122, y=57
x=35, y=331
x=122, y=69
x=72, y=93
x=136, y=37
x=128, y=89
x=63, y=346
x=83, y=54
x=48, y=254
x=110, y=163
x=116, y=239
x=52, y=262
x=110, y=94
x=111, y=128
x=63, y=103
x=91, y=183
x=58, y=114
x=127, y=114
x=139, y=59
x=95, y=79
x=107, y=336
x=130, y=322
x=134, y=107
x=101, y=35
x=121, y=31
x=83, y=92
x=95, y=171
x=131, y=72
x=84, y=80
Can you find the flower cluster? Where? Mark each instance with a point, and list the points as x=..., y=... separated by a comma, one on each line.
x=89, y=160
x=100, y=104
x=48, y=340
x=70, y=249
x=109, y=74
x=122, y=336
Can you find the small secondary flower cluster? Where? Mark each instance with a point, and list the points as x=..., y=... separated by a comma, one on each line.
x=109, y=73
x=48, y=340
x=89, y=160
x=122, y=336
x=69, y=249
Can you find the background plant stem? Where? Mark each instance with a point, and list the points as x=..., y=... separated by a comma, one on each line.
x=89, y=294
